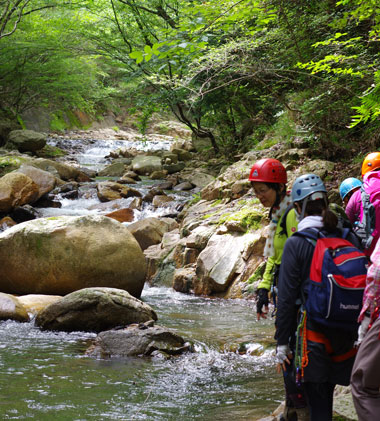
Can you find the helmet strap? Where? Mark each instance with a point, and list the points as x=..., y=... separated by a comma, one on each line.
x=304, y=203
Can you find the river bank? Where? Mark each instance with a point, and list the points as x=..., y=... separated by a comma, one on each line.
x=196, y=258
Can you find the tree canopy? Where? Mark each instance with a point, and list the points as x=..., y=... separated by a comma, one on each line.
x=238, y=72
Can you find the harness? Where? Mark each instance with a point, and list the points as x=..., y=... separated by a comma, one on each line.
x=304, y=334
x=301, y=358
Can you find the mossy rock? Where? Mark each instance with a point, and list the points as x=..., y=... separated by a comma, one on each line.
x=10, y=163
x=249, y=219
x=49, y=151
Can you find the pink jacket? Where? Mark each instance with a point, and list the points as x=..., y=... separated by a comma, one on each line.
x=371, y=298
x=354, y=208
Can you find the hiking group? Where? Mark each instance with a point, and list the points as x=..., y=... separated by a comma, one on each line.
x=323, y=275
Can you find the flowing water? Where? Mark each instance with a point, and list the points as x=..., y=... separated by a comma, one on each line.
x=46, y=375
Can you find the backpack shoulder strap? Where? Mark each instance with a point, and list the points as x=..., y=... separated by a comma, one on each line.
x=310, y=234
x=364, y=196
x=345, y=232
x=284, y=219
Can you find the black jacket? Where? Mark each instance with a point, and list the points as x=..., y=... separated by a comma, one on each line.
x=295, y=268
x=294, y=273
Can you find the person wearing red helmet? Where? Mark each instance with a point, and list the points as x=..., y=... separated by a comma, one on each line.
x=268, y=178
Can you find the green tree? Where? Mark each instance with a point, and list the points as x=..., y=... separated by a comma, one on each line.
x=46, y=63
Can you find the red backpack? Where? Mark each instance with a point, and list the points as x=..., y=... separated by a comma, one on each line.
x=336, y=281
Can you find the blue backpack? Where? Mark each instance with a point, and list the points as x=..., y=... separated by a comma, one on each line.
x=336, y=282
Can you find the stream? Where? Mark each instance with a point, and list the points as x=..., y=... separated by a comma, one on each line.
x=46, y=375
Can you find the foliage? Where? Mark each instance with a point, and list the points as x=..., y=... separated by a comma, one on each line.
x=241, y=73
x=44, y=64
x=196, y=198
x=354, y=53
x=57, y=123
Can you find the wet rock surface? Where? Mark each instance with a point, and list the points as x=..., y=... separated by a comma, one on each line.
x=143, y=339
x=94, y=310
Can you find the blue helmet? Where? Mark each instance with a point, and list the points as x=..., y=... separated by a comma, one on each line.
x=306, y=185
x=348, y=185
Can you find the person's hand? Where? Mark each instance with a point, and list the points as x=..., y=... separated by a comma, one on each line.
x=262, y=301
x=283, y=357
x=363, y=329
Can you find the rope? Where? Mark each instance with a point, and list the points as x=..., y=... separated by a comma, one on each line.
x=305, y=352
x=301, y=353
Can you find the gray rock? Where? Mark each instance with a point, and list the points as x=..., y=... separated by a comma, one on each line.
x=116, y=169
x=6, y=126
x=183, y=279
x=145, y=165
x=183, y=155
x=94, y=310
x=138, y=340
x=186, y=185
x=109, y=190
x=220, y=262
x=26, y=140
x=173, y=168
x=161, y=200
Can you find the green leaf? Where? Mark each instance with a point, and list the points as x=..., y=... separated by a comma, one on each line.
x=135, y=55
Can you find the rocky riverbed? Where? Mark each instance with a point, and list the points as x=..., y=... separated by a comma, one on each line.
x=211, y=246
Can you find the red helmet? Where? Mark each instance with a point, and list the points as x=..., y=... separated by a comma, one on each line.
x=268, y=170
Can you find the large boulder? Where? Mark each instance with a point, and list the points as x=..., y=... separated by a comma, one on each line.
x=11, y=162
x=17, y=189
x=138, y=340
x=94, y=310
x=63, y=254
x=26, y=140
x=156, y=254
x=221, y=262
x=199, y=178
x=171, y=128
x=145, y=164
x=116, y=169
